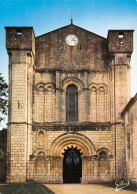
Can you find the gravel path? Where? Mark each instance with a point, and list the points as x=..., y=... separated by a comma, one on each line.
x=85, y=189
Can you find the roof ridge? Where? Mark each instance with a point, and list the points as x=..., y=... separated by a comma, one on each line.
x=68, y=26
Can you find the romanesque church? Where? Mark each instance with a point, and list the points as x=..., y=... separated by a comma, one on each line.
x=67, y=91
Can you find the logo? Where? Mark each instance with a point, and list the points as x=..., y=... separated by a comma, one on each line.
x=121, y=184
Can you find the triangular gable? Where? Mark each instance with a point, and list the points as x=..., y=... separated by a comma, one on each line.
x=70, y=25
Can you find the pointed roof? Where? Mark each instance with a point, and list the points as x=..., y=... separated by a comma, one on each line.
x=129, y=104
x=69, y=26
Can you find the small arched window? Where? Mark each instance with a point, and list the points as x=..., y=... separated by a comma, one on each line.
x=72, y=103
x=102, y=155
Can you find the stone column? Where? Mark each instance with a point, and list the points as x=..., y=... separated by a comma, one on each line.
x=86, y=99
x=84, y=170
x=57, y=96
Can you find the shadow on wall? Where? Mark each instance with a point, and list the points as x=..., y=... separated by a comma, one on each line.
x=3, y=155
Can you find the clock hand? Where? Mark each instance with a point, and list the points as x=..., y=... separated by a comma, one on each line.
x=73, y=39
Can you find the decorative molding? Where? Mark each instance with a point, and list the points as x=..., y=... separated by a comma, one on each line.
x=90, y=126
x=14, y=123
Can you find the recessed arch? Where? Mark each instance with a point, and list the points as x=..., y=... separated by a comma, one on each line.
x=44, y=86
x=72, y=81
x=102, y=86
x=103, y=149
x=38, y=151
x=93, y=85
x=72, y=139
x=49, y=86
x=39, y=86
x=40, y=131
x=79, y=84
x=98, y=86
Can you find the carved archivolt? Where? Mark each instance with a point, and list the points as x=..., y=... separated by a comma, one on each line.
x=72, y=81
x=72, y=139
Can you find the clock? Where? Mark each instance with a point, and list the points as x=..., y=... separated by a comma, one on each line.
x=71, y=40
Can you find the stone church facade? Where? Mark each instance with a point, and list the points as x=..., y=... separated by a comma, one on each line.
x=67, y=89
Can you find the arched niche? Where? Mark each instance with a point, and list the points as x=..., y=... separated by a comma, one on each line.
x=98, y=102
x=105, y=150
x=49, y=86
x=39, y=103
x=39, y=152
x=41, y=138
x=44, y=102
x=93, y=102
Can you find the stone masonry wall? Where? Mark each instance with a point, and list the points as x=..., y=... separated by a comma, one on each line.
x=131, y=142
x=3, y=155
x=45, y=99
x=52, y=52
x=40, y=166
x=18, y=114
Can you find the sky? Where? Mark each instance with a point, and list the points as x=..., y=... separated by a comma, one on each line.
x=97, y=16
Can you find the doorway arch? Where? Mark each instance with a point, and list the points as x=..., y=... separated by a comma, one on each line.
x=65, y=141
x=72, y=165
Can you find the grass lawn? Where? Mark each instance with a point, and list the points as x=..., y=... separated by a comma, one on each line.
x=24, y=189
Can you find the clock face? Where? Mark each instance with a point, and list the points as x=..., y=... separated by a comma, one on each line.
x=71, y=40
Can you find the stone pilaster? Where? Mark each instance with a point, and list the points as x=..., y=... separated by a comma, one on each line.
x=57, y=95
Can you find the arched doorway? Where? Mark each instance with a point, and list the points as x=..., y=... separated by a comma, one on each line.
x=72, y=166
